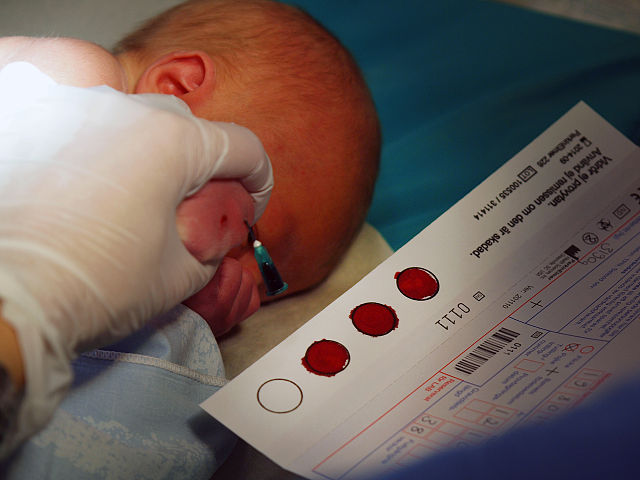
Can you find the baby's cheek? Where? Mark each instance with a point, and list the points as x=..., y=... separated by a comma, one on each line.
x=212, y=221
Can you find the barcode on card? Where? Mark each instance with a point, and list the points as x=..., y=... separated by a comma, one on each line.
x=487, y=349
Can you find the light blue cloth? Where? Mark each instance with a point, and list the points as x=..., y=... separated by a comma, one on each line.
x=136, y=415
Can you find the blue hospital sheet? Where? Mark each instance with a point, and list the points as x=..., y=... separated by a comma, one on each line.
x=463, y=85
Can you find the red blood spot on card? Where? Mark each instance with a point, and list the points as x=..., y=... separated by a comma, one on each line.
x=374, y=319
x=417, y=283
x=326, y=357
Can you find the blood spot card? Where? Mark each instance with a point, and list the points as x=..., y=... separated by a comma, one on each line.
x=511, y=308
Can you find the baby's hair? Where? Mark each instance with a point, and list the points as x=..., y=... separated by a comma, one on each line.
x=293, y=84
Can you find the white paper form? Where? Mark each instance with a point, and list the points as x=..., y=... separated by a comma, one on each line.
x=515, y=305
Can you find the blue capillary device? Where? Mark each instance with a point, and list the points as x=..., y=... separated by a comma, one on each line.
x=272, y=280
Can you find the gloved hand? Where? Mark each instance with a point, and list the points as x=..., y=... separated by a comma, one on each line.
x=90, y=180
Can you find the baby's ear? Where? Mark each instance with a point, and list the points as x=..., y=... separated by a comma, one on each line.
x=189, y=75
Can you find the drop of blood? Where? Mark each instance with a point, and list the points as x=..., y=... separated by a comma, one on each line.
x=326, y=358
x=417, y=283
x=374, y=319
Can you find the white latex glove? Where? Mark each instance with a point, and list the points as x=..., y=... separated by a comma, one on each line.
x=90, y=180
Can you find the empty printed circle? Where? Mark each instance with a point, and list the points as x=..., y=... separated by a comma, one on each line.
x=417, y=283
x=279, y=395
x=374, y=319
x=326, y=358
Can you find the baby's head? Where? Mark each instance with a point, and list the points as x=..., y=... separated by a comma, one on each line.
x=272, y=68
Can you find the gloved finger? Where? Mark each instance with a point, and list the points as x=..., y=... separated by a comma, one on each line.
x=227, y=151
x=232, y=151
x=187, y=151
x=212, y=221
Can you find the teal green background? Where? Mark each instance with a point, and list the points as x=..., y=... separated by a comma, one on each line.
x=463, y=85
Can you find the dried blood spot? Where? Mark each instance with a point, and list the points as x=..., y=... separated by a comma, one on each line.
x=374, y=319
x=326, y=357
x=417, y=283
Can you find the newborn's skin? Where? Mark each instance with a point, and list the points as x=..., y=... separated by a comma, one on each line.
x=216, y=215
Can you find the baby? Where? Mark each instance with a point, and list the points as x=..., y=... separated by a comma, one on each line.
x=271, y=68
